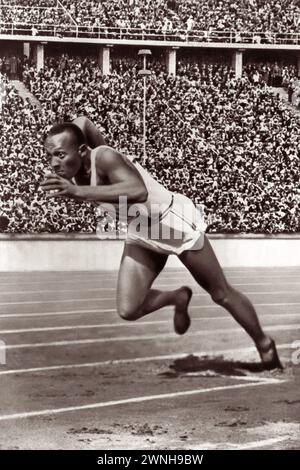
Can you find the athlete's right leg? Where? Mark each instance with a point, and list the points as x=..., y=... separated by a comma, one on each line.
x=206, y=270
x=135, y=298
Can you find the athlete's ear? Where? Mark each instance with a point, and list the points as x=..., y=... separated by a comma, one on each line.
x=83, y=148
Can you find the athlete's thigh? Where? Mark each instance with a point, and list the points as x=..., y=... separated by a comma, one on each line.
x=204, y=267
x=139, y=268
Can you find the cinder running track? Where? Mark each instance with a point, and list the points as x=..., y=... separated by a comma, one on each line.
x=78, y=377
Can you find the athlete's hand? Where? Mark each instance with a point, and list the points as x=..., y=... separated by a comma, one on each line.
x=56, y=186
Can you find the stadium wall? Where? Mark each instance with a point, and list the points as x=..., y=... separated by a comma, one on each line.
x=82, y=252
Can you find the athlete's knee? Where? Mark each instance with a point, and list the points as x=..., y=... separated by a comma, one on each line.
x=127, y=313
x=221, y=296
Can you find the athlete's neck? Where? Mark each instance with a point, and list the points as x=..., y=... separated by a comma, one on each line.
x=84, y=173
x=86, y=161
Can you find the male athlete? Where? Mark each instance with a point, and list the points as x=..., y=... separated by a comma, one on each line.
x=102, y=175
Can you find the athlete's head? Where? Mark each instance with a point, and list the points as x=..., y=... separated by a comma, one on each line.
x=65, y=143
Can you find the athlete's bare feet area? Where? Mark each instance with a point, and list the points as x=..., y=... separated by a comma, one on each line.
x=182, y=319
x=268, y=354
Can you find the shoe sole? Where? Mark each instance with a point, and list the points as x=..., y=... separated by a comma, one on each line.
x=179, y=326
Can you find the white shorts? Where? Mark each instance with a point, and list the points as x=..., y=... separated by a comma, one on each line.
x=179, y=229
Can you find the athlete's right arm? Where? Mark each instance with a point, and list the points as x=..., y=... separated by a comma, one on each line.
x=120, y=178
x=94, y=138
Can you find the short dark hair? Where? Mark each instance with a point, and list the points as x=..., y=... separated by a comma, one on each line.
x=68, y=127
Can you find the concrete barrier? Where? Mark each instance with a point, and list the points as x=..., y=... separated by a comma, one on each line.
x=82, y=252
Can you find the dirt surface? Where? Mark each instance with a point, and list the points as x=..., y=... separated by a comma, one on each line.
x=78, y=377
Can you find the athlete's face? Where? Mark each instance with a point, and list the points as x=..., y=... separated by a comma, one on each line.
x=65, y=154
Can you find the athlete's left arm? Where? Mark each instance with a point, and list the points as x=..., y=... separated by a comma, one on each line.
x=92, y=134
x=123, y=178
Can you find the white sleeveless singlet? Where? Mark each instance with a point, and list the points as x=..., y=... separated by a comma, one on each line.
x=168, y=223
x=159, y=198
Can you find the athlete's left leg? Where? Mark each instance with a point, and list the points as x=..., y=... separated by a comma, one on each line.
x=135, y=295
x=205, y=268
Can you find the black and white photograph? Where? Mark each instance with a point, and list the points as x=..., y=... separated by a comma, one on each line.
x=149, y=228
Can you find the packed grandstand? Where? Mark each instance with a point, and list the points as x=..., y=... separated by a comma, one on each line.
x=230, y=144
x=258, y=21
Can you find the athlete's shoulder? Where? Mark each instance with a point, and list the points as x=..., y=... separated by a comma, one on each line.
x=107, y=157
x=103, y=150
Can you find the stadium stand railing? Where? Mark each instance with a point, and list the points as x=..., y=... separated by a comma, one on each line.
x=99, y=32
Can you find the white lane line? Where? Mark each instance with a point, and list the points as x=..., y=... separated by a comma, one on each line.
x=46, y=314
x=263, y=443
x=276, y=304
x=168, y=271
x=195, y=284
x=56, y=301
x=110, y=310
x=35, y=275
x=243, y=378
x=139, y=337
x=106, y=299
x=191, y=283
x=82, y=327
x=233, y=446
x=131, y=324
x=186, y=278
x=196, y=294
x=96, y=289
x=57, y=291
x=128, y=401
x=264, y=283
x=138, y=360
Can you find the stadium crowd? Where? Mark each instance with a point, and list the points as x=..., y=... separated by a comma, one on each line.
x=263, y=17
x=22, y=168
x=273, y=74
x=12, y=66
x=26, y=12
x=231, y=145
